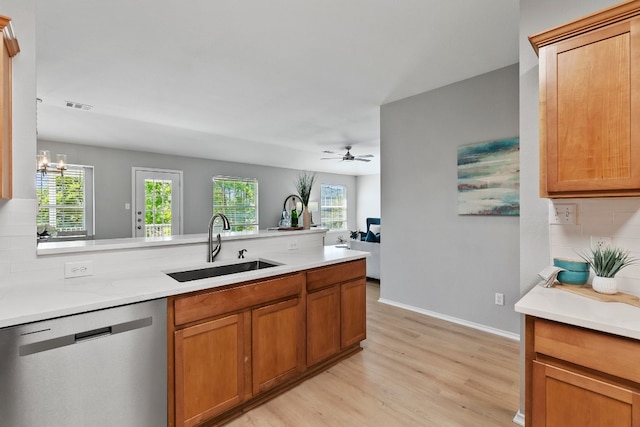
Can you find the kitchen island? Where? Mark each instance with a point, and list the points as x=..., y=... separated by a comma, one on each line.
x=127, y=271
x=232, y=341
x=582, y=360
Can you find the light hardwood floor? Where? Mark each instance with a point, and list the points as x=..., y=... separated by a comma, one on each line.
x=414, y=370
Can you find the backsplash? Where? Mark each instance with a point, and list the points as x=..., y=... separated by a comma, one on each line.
x=618, y=218
x=20, y=264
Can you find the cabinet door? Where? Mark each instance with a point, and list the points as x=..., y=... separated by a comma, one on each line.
x=209, y=369
x=562, y=398
x=5, y=122
x=353, y=312
x=323, y=324
x=277, y=332
x=589, y=94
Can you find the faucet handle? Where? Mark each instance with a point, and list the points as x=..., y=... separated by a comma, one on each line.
x=241, y=253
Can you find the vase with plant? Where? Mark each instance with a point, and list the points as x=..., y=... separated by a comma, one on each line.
x=44, y=231
x=304, y=184
x=606, y=262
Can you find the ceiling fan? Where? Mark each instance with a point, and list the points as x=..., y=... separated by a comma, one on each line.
x=348, y=156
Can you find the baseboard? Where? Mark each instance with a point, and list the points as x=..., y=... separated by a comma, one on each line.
x=485, y=328
x=519, y=419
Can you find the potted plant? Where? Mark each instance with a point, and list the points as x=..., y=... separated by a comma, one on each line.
x=606, y=262
x=304, y=183
x=44, y=231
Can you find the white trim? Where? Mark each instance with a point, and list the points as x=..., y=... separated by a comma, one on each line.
x=519, y=419
x=495, y=331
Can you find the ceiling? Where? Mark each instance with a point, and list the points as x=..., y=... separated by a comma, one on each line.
x=272, y=82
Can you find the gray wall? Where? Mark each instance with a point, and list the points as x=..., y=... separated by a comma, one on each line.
x=537, y=16
x=112, y=168
x=432, y=258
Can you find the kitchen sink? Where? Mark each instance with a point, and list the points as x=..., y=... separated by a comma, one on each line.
x=220, y=270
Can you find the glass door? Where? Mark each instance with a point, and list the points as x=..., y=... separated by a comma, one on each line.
x=157, y=203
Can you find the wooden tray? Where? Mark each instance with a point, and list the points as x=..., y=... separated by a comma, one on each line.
x=290, y=228
x=587, y=291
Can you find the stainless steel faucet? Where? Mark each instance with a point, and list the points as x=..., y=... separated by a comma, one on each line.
x=225, y=226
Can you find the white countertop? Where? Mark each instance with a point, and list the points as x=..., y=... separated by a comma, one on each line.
x=66, y=247
x=48, y=299
x=562, y=306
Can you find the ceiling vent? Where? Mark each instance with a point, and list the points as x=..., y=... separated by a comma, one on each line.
x=78, y=106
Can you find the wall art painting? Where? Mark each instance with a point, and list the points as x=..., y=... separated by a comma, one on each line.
x=489, y=178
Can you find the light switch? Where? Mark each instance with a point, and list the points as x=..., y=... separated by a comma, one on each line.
x=564, y=213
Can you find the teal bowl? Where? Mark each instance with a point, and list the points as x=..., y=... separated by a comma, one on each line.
x=571, y=264
x=568, y=277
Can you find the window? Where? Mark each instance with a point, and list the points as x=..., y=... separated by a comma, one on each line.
x=333, y=206
x=65, y=202
x=157, y=212
x=237, y=198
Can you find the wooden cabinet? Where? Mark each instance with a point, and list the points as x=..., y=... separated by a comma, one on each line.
x=580, y=377
x=9, y=50
x=589, y=96
x=233, y=348
x=336, y=309
x=568, y=398
x=209, y=368
x=227, y=345
x=278, y=343
x=323, y=324
x=353, y=312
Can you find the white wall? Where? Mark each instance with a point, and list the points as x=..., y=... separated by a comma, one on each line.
x=368, y=199
x=17, y=216
x=431, y=258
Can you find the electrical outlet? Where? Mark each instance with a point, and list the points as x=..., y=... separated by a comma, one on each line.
x=78, y=269
x=601, y=242
x=562, y=213
x=292, y=245
x=499, y=299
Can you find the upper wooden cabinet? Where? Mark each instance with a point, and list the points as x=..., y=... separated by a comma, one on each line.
x=9, y=50
x=590, y=104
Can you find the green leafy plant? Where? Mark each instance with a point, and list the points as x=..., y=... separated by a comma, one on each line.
x=46, y=230
x=607, y=261
x=304, y=183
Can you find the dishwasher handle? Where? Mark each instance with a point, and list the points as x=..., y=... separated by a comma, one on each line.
x=52, y=343
x=95, y=333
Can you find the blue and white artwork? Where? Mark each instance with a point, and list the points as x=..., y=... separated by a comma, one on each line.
x=489, y=178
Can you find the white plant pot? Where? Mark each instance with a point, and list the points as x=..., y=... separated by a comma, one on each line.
x=605, y=285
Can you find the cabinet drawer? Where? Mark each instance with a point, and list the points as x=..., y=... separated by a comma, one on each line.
x=214, y=303
x=606, y=353
x=330, y=275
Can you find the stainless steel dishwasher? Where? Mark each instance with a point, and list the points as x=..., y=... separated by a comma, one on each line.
x=101, y=368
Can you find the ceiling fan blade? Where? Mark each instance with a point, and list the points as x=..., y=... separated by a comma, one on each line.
x=330, y=158
x=361, y=159
x=367, y=155
x=329, y=152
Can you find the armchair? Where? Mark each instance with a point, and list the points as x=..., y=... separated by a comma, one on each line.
x=375, y=237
